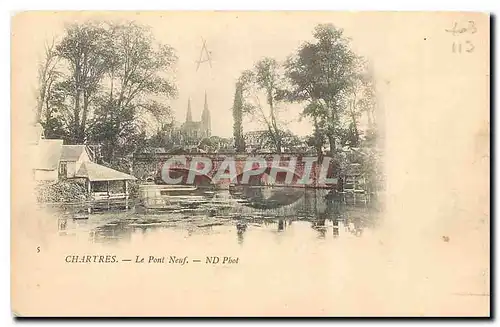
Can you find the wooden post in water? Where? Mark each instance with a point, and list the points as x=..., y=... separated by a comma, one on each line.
x=107, y=190
x=89, y=196
x=126, y=194
x=335, y=227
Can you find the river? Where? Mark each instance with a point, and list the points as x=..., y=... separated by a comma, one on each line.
x=312, y=216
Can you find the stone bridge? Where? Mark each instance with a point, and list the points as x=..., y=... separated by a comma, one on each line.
x=229, y=168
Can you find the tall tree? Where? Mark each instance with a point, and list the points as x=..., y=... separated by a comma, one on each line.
x=359, y=101
x=112, y=82
x=139, y=79
x=47, y=75
x=140, y=68
x=239, y=141
x=367, y=105
x=55, y=114
x=265, y=78
x=321, y=72
x=88, y=51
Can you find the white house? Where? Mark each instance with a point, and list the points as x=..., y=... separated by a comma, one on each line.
x=47, y=155
x=72, y=158
x=53, y=161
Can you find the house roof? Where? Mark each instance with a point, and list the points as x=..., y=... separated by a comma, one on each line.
x=48, y=154
x=72, y=152
x=96, y=172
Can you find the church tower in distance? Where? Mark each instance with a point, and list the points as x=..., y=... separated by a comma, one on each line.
x=189, y=115
x=205, y=119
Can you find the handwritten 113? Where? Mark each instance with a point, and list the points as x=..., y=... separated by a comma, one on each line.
x=457, y=30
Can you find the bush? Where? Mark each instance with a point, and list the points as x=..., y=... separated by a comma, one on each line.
x=62, y=191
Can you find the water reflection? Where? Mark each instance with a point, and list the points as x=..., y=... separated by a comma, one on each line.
x=113, y=231
x=63, y=222
x=323, y=211
x=319, y=225
x=241, y=228
x=335, y=228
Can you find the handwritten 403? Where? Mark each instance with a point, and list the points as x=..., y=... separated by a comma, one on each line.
x=460, y=46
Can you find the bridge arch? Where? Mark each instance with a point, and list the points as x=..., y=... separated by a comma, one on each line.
x=181, y=173
x=261, y=193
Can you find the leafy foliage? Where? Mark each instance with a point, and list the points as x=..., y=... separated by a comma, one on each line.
x=321, y=74
x=115, y=79
x=265, y=79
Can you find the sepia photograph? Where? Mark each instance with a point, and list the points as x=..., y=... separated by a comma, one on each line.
x=273, y=164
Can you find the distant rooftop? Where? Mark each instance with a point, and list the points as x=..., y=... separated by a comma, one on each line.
x=96, y=172
x=72, y=152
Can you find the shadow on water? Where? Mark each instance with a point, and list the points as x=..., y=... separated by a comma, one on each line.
x=326, y=212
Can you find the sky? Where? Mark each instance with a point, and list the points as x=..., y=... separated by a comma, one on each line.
x=236, y=41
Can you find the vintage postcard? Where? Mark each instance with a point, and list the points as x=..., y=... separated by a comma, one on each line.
x=221, y=164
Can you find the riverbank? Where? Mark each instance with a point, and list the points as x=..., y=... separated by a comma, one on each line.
x=63, y=191
x=71, y=191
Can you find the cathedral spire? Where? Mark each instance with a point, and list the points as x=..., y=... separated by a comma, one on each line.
x=205, y=107
x=189, y=115
x=205, y=118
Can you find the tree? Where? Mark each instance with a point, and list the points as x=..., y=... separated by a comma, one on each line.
x=55, y=115
x=292, y=142
x=138, y=76
x=314, y=111
x=367, y=105
x=265, y=77
x=140, y=69
x=106, y=84
x=321, y=73
x=239, y=141
x=47, y=75
x=359, y=100
x=51, y=111
x=87, y=48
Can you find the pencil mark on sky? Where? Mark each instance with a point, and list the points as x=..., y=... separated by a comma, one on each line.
x=204, y=52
